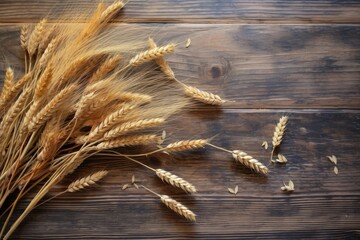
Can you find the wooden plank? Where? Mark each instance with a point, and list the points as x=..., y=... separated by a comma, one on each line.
x=258, y=66
x=324, y=205
x=195, y=11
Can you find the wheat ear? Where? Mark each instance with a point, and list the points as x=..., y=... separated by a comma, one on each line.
x=111, y=10
x=136, y=97
x=48, y=51
x=175, y=181
x=24, y=37
x=128, y=141
x=43, y=83
x=35, y=37
x=186, y=145
x=249, y=161
x=202, y=96
x=86, y=181
x=105, y=68
x=152, y=54
x=278, y=134
x=49, y=109
x=164, y=66
x=178, y=207
x=133, y=126
x=8, y=82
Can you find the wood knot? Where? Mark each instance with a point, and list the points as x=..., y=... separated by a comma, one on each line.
x=215, y=72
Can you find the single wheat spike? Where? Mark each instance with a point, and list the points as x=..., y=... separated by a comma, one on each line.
x=164, y=66
x=178, y=207
x=44, y=81
x=136, y=97
x=86, y=181
x=14, y=110
x=186, y=145
x=109, y=122
x=49, y=109
x=133, y=126
x=175, y=181
x=83, y=105
x=36, y=36
x=51, y=144
x=202, y=96
x=128, y=141
x=48, y=51
x=105, y=68
x=24, y=37
x=8, y=82
x=279, y=131
x=152, y=54
x=249, y=162
x=111, y=10
x=17, y=86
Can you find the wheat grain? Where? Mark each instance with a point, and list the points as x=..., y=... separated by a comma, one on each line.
x=202, y=96
x=175, y=181
x=281, y=159
x=249, y=162
x=186, y=145
x=152, y=54
x=265, y=145
x=188, y=42
x=86, y=181
x=35, y=37
x=164, y=66
x=178, y=208
x=128, y=141
x=49, y=109
x=105, y=68
x=332, y=159
x=133, y=126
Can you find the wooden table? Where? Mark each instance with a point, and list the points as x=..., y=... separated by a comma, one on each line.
x=273, y=58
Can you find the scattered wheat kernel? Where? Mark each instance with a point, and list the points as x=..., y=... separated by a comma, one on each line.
x=236, y=189
x=125, y=186
x=231, y=190
x=291, y=185
x=336, y=170
x=188, y=42
x=281, y=159
x=265, y=145
x=332, y=159
x=135, y=185
x=133, y=179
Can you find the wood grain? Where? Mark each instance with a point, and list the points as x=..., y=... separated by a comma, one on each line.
x=195, y=11
x=324, y=205
x=258, y=66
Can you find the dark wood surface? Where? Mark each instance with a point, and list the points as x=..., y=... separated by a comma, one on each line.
x=299, y=58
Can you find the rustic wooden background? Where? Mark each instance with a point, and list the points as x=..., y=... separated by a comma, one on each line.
x=275, y=57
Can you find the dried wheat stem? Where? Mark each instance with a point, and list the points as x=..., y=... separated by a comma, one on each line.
x=249, y=162
x=186, y=145
x=36, y=36
x=164, y=66
x=49, y=109
x=111, y=10
x=128, y=141
x=202, y=96
x=175, y=181
x=86, y=181
x=109, y=122
x=133, y=126
x=278, y=134
x=152, y=54
x=43, y=83
x=178, y=207
x=105, y=68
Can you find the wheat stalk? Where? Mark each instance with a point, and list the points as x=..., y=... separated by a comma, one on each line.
x=278, y=134
x=164, y=66
x=249, y=162
x=152, y=54
x=49, y=109
x=186, y=145
x=35, y=37
x=178, y=207
x=202, y=96
x=175, y=181
x=128, y=141
x=132, y=126
x=86, y=181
